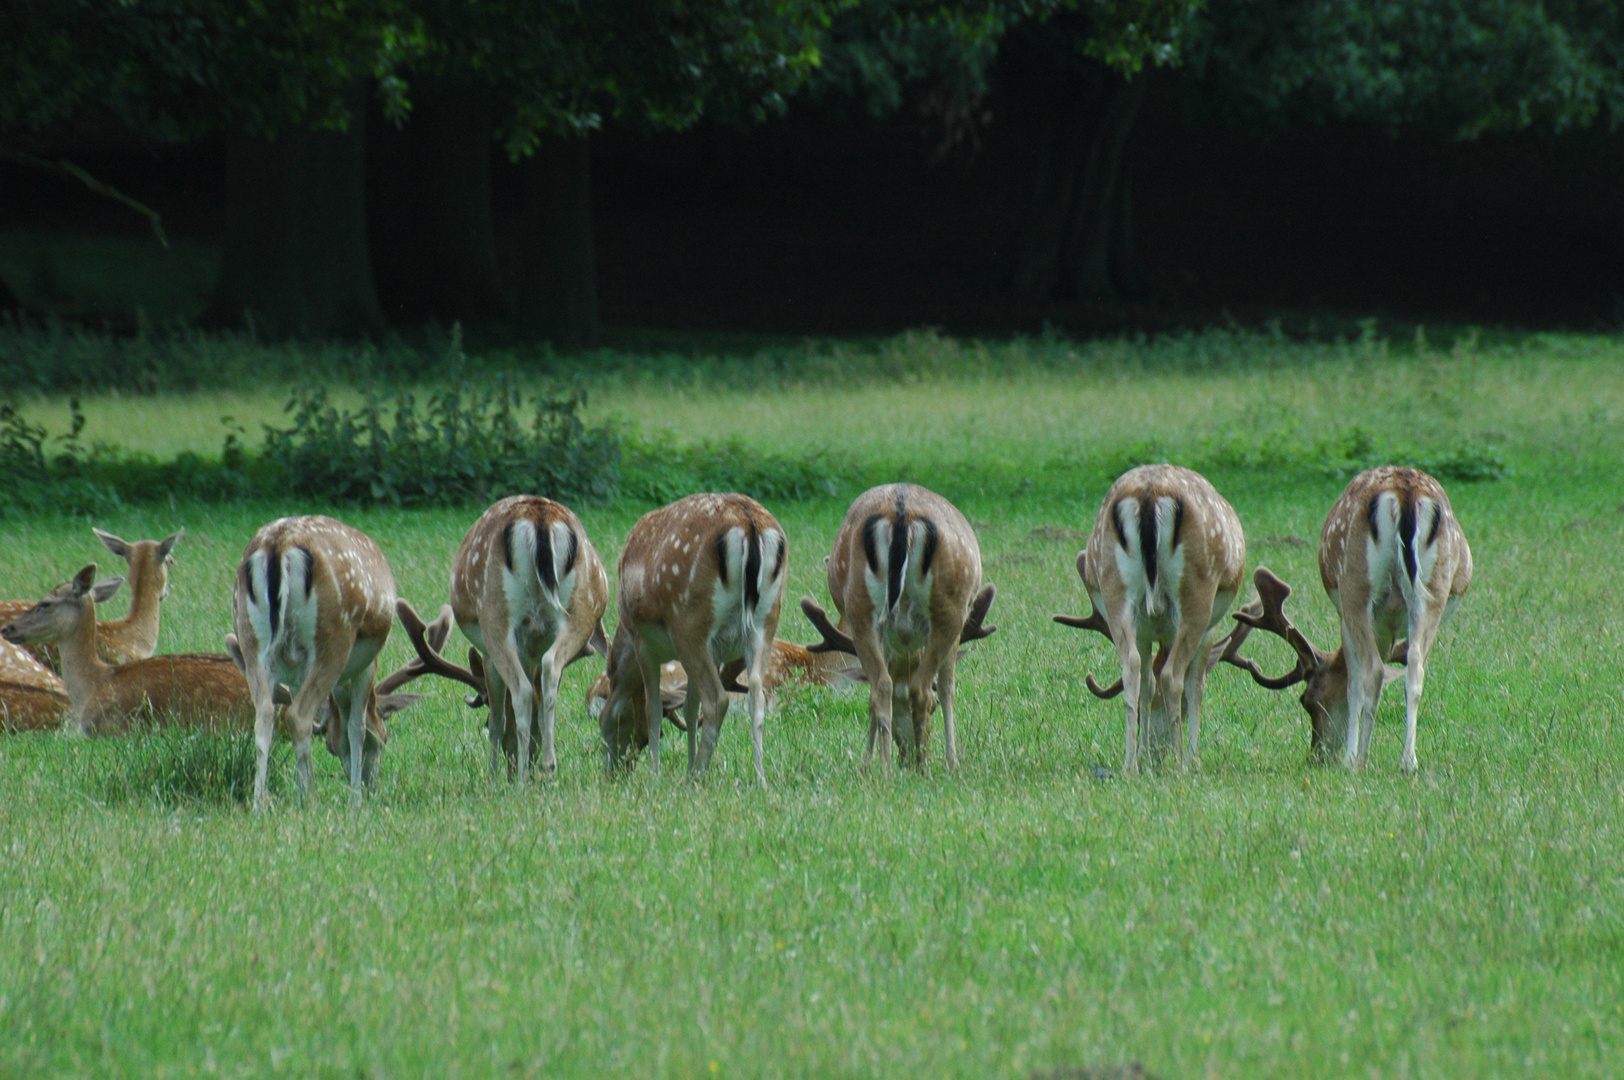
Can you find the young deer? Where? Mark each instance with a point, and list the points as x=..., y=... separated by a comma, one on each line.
x=701, y=581
x=134, y=637
x=32, y=697
x=1395, y=563
x=904, y=570
x=193, y=690
x=529, y=591
x=313, y=605
x=1163, y=564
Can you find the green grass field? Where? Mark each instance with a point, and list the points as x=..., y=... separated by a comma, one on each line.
x=1259, y=918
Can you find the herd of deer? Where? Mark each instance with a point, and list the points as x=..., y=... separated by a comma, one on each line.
x=701, y=582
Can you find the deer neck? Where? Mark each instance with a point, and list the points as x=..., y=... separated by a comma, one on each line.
x=83, y=672
x=138, y=630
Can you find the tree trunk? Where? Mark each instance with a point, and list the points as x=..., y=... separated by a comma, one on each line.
x=558, y=288
x=433, y=240
x=296, y=260
x=1087, y=268
x=1127, y=272
x=1036, y=270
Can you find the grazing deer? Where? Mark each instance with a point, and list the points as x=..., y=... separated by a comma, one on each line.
x=828, y=663
x=529, y=591
x=313, y=605
x=903, y=573
x=194, y=690
x=701, y=581
x=134, y=637
x=32, y=697
x=1163, y=565
x=1395, y=563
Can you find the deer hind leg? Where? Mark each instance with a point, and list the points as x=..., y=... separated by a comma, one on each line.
x=944, y=691
x=938, y=655
x=354, y=735
x=706, y=682
x=262, y=690
x=880, y=688
x=1423, y=631
x=504, y=658
x=1364, y=684
x=308, y=701
x=1137, y=688
x=757, y=651
x=551, y=672
x=497, y=719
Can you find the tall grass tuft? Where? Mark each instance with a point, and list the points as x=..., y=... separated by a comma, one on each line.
x=170, y=769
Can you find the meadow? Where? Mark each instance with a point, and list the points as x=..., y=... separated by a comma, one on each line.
x=1257, y=917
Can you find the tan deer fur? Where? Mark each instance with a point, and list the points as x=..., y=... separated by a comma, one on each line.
x=1395, y=563
x=1163, y=564
x=529, y=591
x=701, y=582
x=312, y=607
x=135, y=636
x=904, y=570
x=189, y=689
x=32, y=696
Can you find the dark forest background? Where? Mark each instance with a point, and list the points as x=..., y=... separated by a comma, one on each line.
x=830, y=215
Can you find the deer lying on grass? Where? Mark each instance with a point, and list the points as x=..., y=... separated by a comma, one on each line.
x=193, y=690
x=701, y=581
x=1395, y=563
x=1163, y=564
x=903, y=573
x=32, y=697
x=134, y=637
x=313, y=605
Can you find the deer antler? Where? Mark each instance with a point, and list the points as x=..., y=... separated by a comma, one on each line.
x=432, y=661
x=973, y=630
x=1267, y=613
x=1093, y=621
x=435, y=634
x=833, y=639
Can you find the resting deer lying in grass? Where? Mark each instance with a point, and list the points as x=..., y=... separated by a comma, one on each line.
x=193, y=690
x=701, y=582
x=313, y=605
x=903, y=573
x=32, y=696
x=1395, y=563
x=135, y=636
x=1163, y=565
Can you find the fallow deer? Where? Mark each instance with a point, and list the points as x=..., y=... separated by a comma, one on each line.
x=135, y=636
x=701, y=581
x=529, y=591
x=312, y=607
x=32, y=696
x=903, y=573
x=1164, y=563
x=1395, y=563
x=195, y=690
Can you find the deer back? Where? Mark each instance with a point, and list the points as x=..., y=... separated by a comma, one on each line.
x=315, y=583
x=1158, y=524
x=526, y=558
x=192, y=690
x=32, y=697
x=702, y=566
x=1393, y=521
x=902, y=542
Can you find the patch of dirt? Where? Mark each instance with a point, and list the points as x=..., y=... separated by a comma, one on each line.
x=1054, y=534
x=1282, y=540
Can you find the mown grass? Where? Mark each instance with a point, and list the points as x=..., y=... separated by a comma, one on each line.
x=1257, y=918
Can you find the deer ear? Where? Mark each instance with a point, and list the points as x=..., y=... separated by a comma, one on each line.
x=104, y=591
x=114, y=544
x=84, y=581
x=167, y=544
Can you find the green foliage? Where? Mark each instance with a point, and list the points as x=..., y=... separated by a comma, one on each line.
x=656, y=471
x=1462, y=66
x=457, y=447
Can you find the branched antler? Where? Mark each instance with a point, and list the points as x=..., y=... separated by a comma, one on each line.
x=973, y=628
x=435, y=635
x=1092, y=621
x=1267, y=613
x=431, y=660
